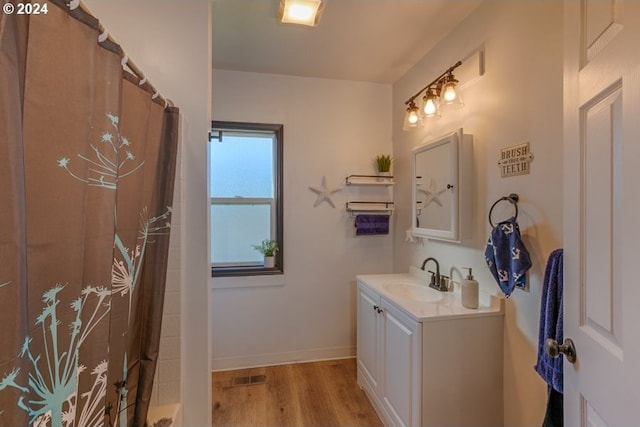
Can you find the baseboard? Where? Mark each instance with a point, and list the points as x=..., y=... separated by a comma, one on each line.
x=270, y=359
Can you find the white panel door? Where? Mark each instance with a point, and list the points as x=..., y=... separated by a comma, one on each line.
x=601, y=212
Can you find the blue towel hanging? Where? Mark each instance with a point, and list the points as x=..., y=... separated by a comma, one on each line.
x=507, y=257
x=551, y=317
x=372, y=225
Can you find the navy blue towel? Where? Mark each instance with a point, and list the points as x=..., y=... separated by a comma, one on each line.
x=371, y=225
x=555, y=403
x=551, y=321
x=507, y=257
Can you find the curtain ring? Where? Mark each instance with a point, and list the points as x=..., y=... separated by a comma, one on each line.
x=73, y=4
x=155, y=95
x=511, y=198
x=103, y=36
x=124, y=60
x=142, y=81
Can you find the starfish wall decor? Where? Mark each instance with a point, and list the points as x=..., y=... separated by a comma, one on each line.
x=324, y=193
x=433, y=194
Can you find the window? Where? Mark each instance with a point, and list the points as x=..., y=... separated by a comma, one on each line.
x=245, y=186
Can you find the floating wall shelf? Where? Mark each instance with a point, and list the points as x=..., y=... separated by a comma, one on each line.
x=376, y=180
x=370, y=207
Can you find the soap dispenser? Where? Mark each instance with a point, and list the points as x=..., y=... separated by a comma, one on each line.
x=469, y=290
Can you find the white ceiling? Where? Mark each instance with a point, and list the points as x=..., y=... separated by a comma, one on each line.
x=363, y=40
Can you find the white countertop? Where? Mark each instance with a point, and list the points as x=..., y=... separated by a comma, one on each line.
x=447, y=307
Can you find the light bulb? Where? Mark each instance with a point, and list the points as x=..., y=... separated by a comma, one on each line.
x=449, y=93
x=429, y=107
x=412, y=118
x=450, y=98
x=430, y=104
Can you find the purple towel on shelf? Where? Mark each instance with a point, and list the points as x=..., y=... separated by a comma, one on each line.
x=507, y=257
x=372, y=225
x=551, y=321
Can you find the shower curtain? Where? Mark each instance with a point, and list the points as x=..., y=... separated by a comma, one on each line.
x=87, y=165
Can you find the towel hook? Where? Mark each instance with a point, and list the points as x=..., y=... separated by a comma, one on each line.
x=511, y=198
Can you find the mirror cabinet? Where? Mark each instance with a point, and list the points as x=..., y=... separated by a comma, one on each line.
x=441, y=171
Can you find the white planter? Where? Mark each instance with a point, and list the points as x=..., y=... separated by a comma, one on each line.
x=269, y=262
x=383, y=176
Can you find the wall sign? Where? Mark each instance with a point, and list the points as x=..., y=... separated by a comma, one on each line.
x=515, y=160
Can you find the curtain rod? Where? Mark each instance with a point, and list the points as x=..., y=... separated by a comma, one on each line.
x=104, y=36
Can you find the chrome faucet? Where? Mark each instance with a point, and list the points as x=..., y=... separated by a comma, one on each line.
x=438, y=282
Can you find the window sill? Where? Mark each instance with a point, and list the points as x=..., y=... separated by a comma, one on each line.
x=275, y=278
x=250, y=270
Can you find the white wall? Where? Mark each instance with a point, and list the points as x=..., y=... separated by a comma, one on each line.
x=172, y=46
x=519, y=99
x=333, y=129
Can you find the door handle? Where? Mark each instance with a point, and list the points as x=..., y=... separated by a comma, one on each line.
x=567, y=348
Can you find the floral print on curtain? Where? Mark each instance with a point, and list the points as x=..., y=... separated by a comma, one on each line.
x=87, y=164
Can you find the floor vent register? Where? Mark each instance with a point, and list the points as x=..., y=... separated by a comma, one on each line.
x=248, y=380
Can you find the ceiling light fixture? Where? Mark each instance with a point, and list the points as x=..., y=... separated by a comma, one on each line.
x=440, y=93
x=303, y=12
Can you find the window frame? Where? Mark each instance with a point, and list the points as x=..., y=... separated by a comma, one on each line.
x=217, y=127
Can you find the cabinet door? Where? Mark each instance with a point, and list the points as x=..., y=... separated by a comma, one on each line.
x=402, y=370
x=368, y=336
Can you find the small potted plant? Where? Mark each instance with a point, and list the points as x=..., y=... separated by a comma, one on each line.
x=383, y=165
x=268, y=249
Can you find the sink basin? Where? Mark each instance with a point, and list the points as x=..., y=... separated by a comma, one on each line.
x=412, y=291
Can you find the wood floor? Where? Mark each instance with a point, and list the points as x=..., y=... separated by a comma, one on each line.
x=303, y=394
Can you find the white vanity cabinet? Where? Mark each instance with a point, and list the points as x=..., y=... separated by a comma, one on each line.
x=424, y=370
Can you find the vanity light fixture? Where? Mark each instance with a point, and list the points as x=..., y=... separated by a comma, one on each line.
x=440, y=93
x=303, y=12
